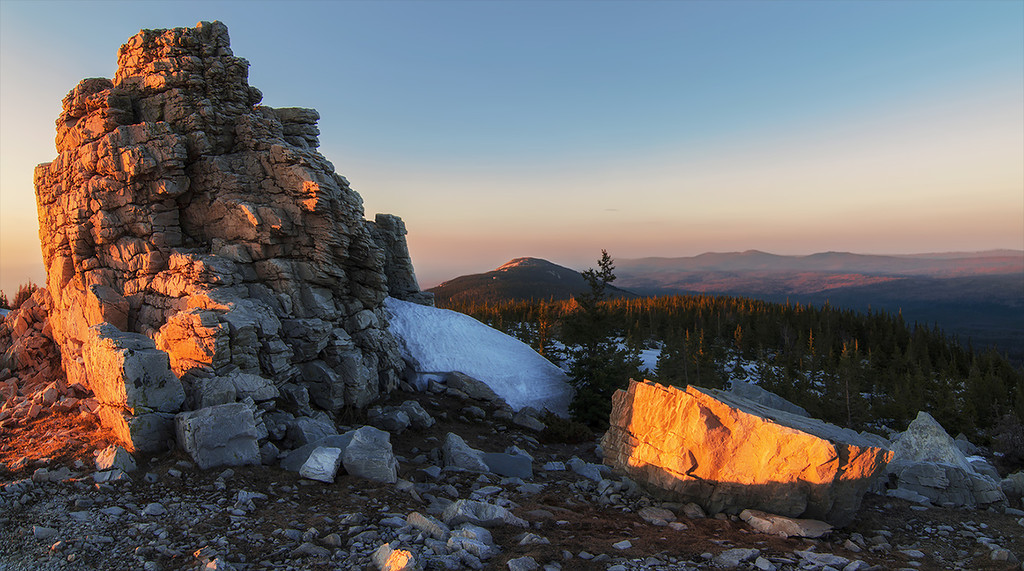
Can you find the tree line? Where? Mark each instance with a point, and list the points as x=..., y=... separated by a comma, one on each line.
x=854, y=369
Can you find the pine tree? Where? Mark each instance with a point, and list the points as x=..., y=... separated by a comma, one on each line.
x=599, y=364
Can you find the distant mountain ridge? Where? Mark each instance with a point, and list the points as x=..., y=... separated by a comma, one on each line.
x=973, y=295
x=518, y=279
x=676, y=272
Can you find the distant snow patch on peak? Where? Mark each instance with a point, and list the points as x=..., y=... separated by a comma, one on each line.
x=436, y=341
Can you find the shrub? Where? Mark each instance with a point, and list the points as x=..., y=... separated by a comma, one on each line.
x=564, y=430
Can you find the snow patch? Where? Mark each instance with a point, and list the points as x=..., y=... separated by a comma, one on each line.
x=433, y=340
x=649, y=360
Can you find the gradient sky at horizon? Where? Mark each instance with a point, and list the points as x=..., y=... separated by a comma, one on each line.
x=557, y=129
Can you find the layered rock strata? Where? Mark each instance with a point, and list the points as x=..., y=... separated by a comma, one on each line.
x=727, y=453
x=180, y=210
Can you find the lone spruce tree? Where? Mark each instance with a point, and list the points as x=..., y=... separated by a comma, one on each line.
x=599, y=364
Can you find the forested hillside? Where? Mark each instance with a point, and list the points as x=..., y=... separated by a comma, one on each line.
x=850, y=368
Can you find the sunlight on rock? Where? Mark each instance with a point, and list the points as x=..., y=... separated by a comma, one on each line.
x=727, y=453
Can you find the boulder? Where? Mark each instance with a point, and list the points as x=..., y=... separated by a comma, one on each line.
x=115, y=457
x=428, y=525
x=305, y=430
x=391, y=419
x=213, y=391
x=457, y=454
x=508, y=465
x=388, y=559
x=926, y=441
x=126, y=370
x=146, y=432
x=296, y=458
x=419, y=418
x=727, y=453
x=222, y=435
x=928, y=463
x=1013, y=487
x=784, y=526
x=470, y=387
x=479, y=513
x=369, y=455
x=322, y=464
x=253, y=386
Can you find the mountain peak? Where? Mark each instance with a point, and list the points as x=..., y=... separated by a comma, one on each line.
x=523, y=263
x=518, y=279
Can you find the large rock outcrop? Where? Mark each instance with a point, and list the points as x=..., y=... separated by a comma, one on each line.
x=181, y=210
x=727, y=453
x=929, y=468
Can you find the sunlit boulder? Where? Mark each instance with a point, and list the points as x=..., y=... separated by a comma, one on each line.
x=727, y=453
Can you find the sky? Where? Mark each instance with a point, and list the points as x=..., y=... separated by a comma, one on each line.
x=557, y=129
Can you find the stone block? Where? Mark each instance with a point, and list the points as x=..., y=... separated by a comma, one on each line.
x=470, y=386
x=146, y=432
x=222, y=435
x=306, y=429
x=508, y=465
x=728, y=453
x=479, y=513
x=126, y=370
x=118, y=457
x=322, y=464
x=369, y=455
x=457, y=454
x=784, y=526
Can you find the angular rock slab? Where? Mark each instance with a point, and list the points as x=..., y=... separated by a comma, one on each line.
x=928, y=464
x=127, y=370
x=115, y=457
x=149, y=432
x=388, y=559
x=509, y=465
x=222, y=435
x=369, y=455
x=457, y=454
x=480, y=513
x=322, y=464
x=926, y=441
x=784, y=526
x=727, y=453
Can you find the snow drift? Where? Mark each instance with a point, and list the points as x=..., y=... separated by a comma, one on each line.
x=436, y=341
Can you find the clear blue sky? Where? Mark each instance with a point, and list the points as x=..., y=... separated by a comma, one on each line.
x=556, y=129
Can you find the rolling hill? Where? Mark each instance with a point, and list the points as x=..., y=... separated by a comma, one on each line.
x=518, y=279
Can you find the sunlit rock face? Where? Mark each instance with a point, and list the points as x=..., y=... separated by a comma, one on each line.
x=179, y=209
x=727, y=453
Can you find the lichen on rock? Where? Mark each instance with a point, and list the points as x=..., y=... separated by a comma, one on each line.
x=180, y=209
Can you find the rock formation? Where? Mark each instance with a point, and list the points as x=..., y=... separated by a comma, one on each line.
x=181, y=218
x=727, y=453
x=928, y=467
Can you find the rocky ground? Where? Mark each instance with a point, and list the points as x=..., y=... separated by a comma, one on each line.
x=59, y=512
